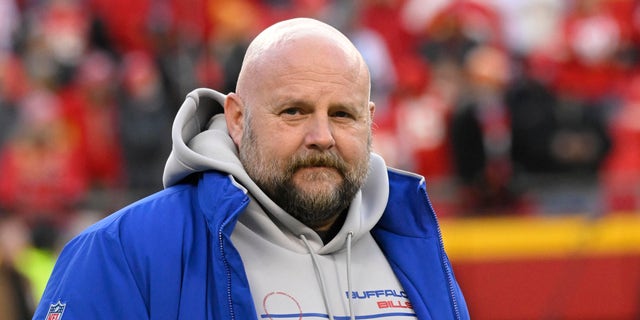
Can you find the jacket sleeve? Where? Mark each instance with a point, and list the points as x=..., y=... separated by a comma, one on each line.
x=92, y=279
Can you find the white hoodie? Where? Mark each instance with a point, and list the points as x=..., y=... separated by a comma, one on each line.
x=292, y=273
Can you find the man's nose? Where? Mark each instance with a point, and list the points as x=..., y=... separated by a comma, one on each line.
x=320, y=133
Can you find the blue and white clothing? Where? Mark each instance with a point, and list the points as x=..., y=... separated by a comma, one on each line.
x=212, y=245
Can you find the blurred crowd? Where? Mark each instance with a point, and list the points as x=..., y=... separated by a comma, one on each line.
x=507, y=107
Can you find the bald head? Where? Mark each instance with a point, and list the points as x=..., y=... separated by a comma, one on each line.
x=299, y=45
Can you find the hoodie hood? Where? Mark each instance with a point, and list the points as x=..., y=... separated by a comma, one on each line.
x=195, y=118
x=201, y=142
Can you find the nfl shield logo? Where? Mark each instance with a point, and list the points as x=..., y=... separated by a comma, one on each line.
x=56, y=310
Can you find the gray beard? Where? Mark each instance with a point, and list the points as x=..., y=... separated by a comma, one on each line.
x=275, y=179
x=314, y=210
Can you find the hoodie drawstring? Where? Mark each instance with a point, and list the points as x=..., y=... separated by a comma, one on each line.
x=349, y=288
x=323, y=287
x=316, y=267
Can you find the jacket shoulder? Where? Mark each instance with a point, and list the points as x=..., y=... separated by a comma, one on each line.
x=409, y=210
x=149, y=212
x=118, y=257
x=405, y=177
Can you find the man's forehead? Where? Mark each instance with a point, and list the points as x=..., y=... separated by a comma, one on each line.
x=313, y=98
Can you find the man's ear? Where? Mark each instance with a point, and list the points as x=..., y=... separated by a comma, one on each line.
x=372, y=110
x=234, y=115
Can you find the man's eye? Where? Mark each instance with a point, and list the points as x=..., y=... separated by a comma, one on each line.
x=342, y=114
x=291, y=111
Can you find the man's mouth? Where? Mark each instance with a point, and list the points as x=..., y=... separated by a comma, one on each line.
x=317, y=171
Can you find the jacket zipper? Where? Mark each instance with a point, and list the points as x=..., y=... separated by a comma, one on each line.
x=227, y=268
x=443, y=255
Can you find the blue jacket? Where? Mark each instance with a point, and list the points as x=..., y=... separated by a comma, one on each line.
x=170, y=256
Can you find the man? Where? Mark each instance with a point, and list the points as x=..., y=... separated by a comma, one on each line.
x=274, y=209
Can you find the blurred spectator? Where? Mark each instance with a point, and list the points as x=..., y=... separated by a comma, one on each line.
x=9, y=24
x=377, y=55
x=58, y=36
x=581, y=140
x=11, y=79
x=620, y=175
x=89, y=103
x=234, y=26
x=457, y=28
x=558, y=145
x=531, y=25
x=422, y=116
x=532, y=107
x=385, y=18
x=37, y=260
x=481, y=134
x=585, y=57
x=42, y=164
x=144, y=114
x=127, y=23
x=16, y=300
x=417, y=15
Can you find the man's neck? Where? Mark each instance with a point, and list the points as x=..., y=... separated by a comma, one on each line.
x=330, y=230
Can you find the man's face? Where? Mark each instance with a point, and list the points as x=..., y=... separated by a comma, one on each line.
x=307, y=137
